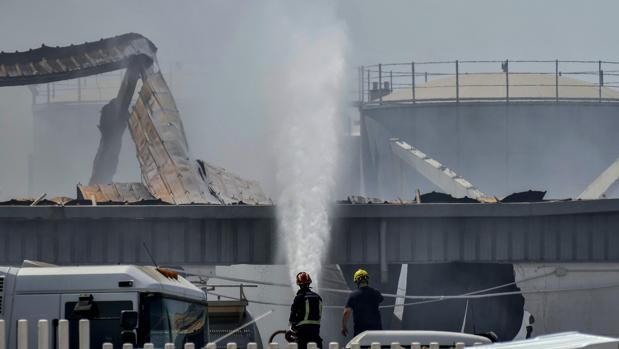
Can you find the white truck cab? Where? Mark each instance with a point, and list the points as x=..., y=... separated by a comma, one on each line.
x=168, y=308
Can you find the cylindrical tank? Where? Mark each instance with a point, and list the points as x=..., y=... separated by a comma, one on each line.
x=533, y=140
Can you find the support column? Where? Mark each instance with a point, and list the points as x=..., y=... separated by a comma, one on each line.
x=384, y=267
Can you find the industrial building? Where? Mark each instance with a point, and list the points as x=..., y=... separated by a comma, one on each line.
x=475, y=135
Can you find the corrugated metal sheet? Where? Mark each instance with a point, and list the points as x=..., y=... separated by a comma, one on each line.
x=157, y=130
x=437, y=197
x=27, y=201
x=168, y=172
x=362, y=200
x=62, y=200
x=232, y=189
x=48, y=64
x=525, y=196
x=115, y=192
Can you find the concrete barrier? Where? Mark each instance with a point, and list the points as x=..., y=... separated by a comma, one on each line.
x=43, y=334
x=44, y=341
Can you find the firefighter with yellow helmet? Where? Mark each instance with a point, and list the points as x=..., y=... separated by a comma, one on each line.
x=363, y=304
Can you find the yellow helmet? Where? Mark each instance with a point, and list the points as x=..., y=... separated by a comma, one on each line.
x=360, y=275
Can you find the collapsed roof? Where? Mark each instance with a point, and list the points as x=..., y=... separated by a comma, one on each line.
x=169, y=173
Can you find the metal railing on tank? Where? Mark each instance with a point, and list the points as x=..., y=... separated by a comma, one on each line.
x=489, y=81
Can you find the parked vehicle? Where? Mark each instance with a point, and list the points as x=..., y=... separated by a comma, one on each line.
x=424, y=338
x=124, y=303
x=566, y=340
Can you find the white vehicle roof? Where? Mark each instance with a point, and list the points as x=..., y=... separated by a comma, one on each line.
x=423, y=337
x=93, y=279
x=567, y=340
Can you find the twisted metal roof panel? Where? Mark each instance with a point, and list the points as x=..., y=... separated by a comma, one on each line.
x=48, y=64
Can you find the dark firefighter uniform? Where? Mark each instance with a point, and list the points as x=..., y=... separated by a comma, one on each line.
x=305, y=314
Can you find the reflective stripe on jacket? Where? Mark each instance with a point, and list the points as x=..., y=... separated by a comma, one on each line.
x=306, y=308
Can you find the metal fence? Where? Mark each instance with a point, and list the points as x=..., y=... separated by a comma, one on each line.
x=489, y=80
x=62, y=340
x=96, y=88
x=101, y=88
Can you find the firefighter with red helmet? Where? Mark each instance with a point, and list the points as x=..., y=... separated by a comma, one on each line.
x=305, y=313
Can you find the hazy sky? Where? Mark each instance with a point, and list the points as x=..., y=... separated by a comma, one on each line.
x=378, y=30
x=226, y=51
x=435, y=30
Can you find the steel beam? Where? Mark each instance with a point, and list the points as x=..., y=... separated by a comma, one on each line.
x=434, y=171
x=602, y=183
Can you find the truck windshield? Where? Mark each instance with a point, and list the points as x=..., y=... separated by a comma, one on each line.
x=172, y=320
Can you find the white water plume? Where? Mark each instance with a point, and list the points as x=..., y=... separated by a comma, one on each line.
x=309, y=104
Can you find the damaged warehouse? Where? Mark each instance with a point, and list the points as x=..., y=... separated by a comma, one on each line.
x=168, y=172
x=194, y=214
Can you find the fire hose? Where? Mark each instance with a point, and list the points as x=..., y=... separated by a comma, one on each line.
x=290, y=335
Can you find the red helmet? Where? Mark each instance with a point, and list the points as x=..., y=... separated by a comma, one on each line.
x=303, y=278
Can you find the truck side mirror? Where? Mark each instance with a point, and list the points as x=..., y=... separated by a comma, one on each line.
x=86, y=307
x=128, y=323
x=128, y=320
